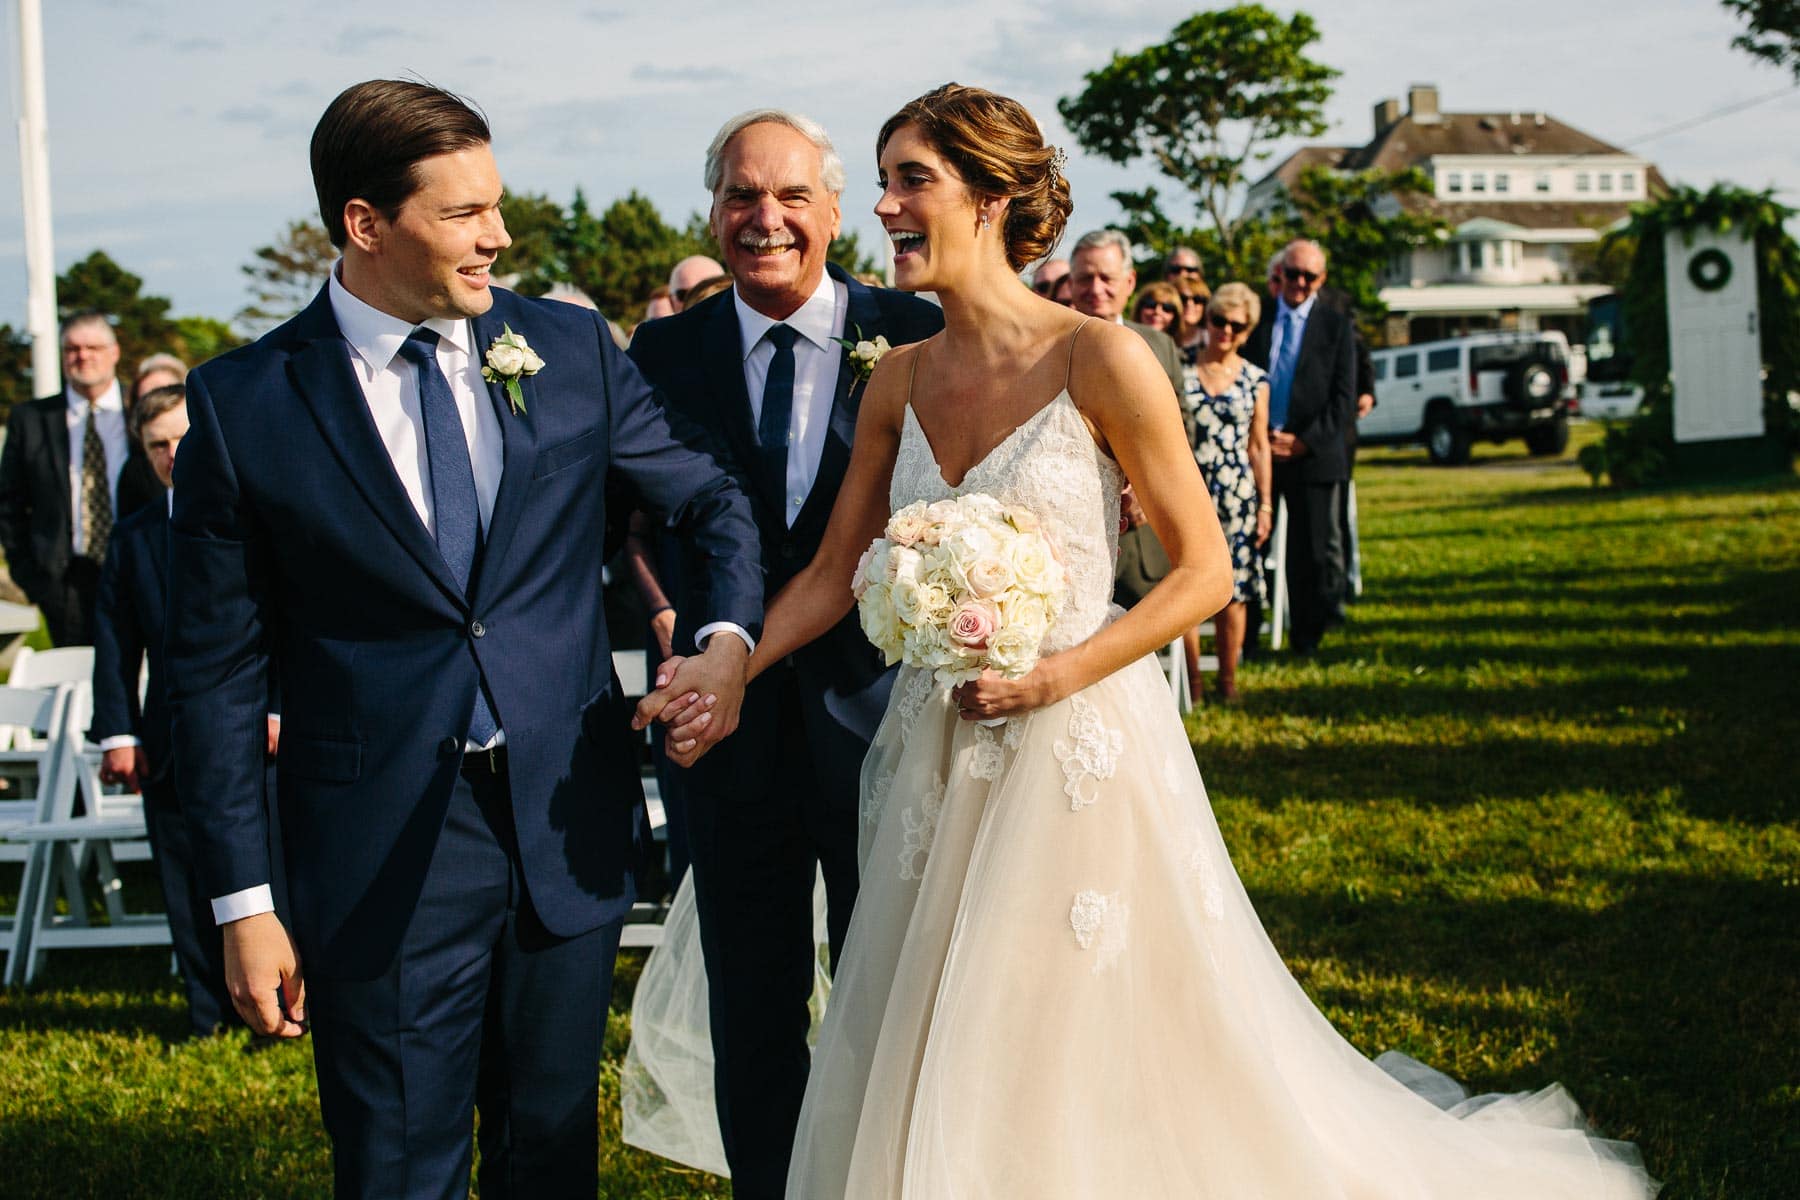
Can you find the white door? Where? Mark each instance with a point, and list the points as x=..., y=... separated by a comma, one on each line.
x=1714, y=348
x=1399, y=401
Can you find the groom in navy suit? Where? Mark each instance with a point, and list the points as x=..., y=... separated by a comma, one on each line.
x=417, y=550
x=761, y=368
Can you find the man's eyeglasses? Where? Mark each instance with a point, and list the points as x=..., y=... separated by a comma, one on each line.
x=1044, y=287
x=1296, y=275
x=1221, y=322
x=1162, y=306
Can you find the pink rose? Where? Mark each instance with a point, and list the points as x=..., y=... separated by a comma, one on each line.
x=972, y=624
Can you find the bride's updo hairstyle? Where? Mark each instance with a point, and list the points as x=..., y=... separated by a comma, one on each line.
x=998, y=150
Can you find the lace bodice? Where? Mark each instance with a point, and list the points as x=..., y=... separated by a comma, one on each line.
x=1052, y=466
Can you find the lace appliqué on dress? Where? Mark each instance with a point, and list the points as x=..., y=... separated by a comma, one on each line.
x=1092, y=752
x=876, y=798
x=1199, y=865
x=915, y=690
x=1100, y=920
x=919, y=829
x=988, y=756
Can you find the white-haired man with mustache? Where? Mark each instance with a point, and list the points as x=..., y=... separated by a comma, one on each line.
x=758, y=371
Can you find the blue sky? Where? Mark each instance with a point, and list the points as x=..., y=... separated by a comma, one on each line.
x=178, y=130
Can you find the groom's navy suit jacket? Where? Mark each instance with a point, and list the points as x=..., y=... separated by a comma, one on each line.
x=293, y=542
x=696, y=361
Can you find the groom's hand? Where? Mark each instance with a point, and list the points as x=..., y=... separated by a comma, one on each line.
x=262, y=973
x=697, y=698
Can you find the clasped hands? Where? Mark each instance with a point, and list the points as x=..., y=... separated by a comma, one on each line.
x=697, y=698
x=1284, y=445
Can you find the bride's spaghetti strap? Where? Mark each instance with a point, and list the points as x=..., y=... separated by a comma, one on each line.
x=1069, y=367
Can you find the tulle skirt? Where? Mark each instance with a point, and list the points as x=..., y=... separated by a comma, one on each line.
x=1054, y=986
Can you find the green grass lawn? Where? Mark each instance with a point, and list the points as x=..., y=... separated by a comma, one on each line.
x=1531, y=818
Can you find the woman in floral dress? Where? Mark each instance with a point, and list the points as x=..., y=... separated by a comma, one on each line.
x=1231, y=444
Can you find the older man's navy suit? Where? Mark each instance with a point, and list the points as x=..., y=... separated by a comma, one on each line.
x=439, y=897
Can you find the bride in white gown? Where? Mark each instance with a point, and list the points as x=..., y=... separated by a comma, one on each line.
x=1054, y=984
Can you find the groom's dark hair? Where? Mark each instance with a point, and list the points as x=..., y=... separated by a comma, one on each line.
x=372, y=137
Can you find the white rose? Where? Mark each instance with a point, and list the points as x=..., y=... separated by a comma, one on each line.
x=1034, y=567
x=904, y=563
x=1012, y=652
x=989, y=575
x=533, y=364
x=909, y=600
x=866, y=351
x=874, y=564
x=859, y=578
x=906, y=526
x=506, y=359
x=935, y=601
x=981, y=506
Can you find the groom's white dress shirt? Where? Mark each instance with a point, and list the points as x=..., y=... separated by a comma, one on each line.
x=817, y=359
x=390, y=386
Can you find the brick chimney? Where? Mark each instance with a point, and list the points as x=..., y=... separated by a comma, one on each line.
x=1386, y=113
x=1422, y=103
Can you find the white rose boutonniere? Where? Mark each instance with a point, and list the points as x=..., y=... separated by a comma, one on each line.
x=509, y=359
x=864, y=353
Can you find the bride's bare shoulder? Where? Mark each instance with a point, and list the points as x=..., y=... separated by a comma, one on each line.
x=1111, y=366
x=885, y=396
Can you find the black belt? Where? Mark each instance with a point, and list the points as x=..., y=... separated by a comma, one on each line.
x=484, y=764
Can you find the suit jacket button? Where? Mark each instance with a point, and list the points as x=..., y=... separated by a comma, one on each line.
x=448, y=746
x=477, y=629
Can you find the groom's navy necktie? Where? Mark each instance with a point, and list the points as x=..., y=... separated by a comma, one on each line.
x=453, y=499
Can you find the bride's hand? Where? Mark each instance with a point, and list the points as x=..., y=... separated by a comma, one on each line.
x=994, y=695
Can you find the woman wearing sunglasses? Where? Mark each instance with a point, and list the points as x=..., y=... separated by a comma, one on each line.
x=1231, y=444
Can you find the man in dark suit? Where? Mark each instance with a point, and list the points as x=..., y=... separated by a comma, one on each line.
x=415, y=546
x=67, y=475
x=760, y=368
x=129, y=620
x=1309, y=350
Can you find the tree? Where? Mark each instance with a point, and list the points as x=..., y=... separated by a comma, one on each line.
x=534, y=260
x=15, y=369
x=1206, y=105
x=286, y=274
x=622, y=255
x=847, y=252
x=142, y=323
x=1351, y=215
x=1773, y=31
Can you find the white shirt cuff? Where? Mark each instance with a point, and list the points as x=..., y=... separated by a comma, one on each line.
x=707, y=631
x=117, y=741
x=250, y=902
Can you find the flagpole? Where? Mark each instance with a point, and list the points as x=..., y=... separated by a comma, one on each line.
x=34, y=178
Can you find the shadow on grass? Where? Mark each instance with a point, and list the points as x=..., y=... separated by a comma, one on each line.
x=1667, y=1010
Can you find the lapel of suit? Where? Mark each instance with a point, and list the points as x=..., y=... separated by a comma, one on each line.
x=159, y=546
x=321, y=372
x=722, y=360
x=862, y=320
x=518, y=433
x=56, y=439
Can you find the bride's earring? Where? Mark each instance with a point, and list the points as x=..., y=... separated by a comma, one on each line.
x=984, y=221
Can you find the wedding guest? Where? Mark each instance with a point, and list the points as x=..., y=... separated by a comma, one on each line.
x=1183, y=263
x=660, y=304
x=1309, y=352
x=159, y=370
x=1339, y=299
x=1194, y=296
x=1158, y=305
x=134, y=738
x=722, y=282
x=1044, y=279
x=695, y=268
x=1103, y=279
x=1062, y=290
x=1231, y=446
x=67, y=475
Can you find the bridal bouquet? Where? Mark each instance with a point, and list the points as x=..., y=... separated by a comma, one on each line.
x=958, y=587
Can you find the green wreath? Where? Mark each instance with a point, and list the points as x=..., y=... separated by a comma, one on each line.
x=1709, y=270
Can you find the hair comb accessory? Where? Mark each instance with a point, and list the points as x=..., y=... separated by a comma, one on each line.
x=1059, y=161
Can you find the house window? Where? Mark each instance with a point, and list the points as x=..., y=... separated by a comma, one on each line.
x=1628, y=181
x=1453, y=182
x=1606, y=181
x=1474, y=249
x=1502, y=181
x=1583, y=182
x=1478, y=181
x=1543, y=181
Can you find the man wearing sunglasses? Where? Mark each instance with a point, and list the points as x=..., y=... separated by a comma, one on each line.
x=1183, y=263
x=695, y=268
x=1048, y=274
x=1308, y=348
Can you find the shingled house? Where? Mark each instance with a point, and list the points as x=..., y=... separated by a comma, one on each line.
x=1521, y=192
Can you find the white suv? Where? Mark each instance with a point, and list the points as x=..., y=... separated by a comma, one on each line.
x=1487, y=385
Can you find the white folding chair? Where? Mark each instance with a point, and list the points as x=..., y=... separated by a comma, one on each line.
x=644, y=926
x=107, y=829
x=1277, y=565
x=38, y=713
